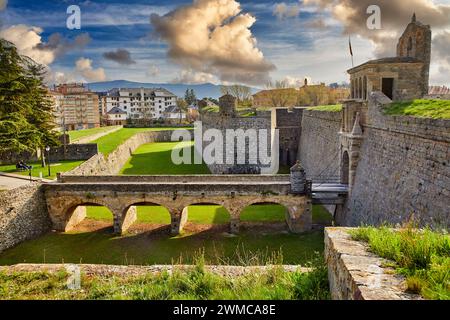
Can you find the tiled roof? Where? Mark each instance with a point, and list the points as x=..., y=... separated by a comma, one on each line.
x=116, y=110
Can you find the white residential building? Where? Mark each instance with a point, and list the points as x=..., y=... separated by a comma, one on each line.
x=141, y=103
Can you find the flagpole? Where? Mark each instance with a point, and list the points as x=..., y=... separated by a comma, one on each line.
x=351, y=50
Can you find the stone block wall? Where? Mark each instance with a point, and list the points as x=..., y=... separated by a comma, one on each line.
x=403, y=172
x=23, y=215
x=356, y=274
x=319, y=150
x=113, y=163
x=222, y=123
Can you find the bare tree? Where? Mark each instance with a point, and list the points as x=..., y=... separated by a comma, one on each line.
x=243, y=94
x=182, y=106
x=281, y=94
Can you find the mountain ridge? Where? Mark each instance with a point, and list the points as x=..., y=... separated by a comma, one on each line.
x=204, y=90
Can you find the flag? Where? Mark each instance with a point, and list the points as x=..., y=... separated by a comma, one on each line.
x=350, y=45
x=351, y=49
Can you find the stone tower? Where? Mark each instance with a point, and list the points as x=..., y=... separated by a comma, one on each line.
x=227, y=105
x=416, y=43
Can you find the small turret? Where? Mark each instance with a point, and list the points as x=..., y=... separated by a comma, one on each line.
x=298, y=179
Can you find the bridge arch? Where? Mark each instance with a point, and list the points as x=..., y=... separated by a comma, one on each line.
x=259, y=212
x=66, y=218
x=129, y=214
x=192, y=210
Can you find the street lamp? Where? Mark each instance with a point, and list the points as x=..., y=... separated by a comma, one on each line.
x=47, y=148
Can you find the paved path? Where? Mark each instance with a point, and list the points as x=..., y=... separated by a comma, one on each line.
x=9, y=181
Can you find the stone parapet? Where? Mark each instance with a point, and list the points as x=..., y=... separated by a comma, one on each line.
x=356, y=274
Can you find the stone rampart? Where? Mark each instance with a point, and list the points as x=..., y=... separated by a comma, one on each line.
x=403, y=172
x=319, y=149
x=23, y=215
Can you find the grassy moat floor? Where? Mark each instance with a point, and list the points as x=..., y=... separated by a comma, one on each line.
x=149, y=242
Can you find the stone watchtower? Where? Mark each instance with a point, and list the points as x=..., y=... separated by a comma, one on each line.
x=227, y=106
x=416, y=43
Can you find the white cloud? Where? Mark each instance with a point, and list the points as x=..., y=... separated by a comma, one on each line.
x=29, y=42
x=27, y=39
x=152, y=71
x=192, y=77
x=294, y=82
x=282, y=10
x=84, y=67
x=214, y=37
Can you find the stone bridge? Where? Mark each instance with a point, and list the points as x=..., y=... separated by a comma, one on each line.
x=67, y=198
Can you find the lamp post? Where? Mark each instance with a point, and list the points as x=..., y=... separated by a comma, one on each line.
x=47, y=148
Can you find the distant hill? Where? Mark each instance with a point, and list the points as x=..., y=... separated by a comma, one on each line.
x=201, y=90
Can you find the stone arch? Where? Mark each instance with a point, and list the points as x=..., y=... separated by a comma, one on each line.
x=345, y=168
x=409, y=48
x=264, y=203
x=128, y=214
x=206, y=203
x=365, y=88
x=68, y=217
x=360, y=87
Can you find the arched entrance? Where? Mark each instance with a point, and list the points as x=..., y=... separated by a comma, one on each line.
x=88, y=217
x=345, y=168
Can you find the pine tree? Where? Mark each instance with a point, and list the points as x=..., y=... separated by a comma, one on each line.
x=26, y=115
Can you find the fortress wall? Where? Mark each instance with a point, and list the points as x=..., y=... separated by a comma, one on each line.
x=111, y=165
x=222, y=123
x=404, y=169
x=23, y=215
x=320, y=145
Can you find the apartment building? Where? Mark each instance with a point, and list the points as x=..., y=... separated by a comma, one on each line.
x=141, y=103
x=76, y=107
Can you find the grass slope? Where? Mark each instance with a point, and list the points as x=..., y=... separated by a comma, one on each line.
x=435, y=109
x=330, y=108
x=78, y=134
x=110, y=142
x=423, y=256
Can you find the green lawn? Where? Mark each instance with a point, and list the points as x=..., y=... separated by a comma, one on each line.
x=60, y=166
x=78, y=134
x=330, y=108
x=155, y=159
x=143, y=249
x=436, y=109
x=110, y=142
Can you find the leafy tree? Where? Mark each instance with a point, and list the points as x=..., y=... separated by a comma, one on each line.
x=26, y=112
x=190, y=97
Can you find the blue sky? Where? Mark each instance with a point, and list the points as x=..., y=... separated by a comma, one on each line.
x=294, y=47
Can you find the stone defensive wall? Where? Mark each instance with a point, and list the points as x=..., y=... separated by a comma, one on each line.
x=74, y=152
x=403, y=171
x=319, y=150
x=23, y=215
x=356, y=274
x=113, y=163
x=222, y=122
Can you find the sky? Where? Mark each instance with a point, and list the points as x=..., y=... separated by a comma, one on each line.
x=218, y=41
